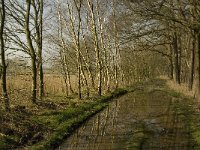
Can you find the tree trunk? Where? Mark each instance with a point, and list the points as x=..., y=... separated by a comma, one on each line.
x=40, y=51
x=171, y=63
x=38, y=20
x=78, y=49
x=67, y=77
x=87, y=63
x=34, y=80
x=116, y=47
x=69, y=80
x=32, y=52
x=176, y=59
x=76, y=39
x=179, y=56
x=3, y=61
x=198, y=52
x=62, y=55
x=85, y=81
x=97, y=49
x=192, y=57
x=41, y=74
x=65, y=66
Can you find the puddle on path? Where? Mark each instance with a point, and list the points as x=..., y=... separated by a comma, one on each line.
x=138, y=120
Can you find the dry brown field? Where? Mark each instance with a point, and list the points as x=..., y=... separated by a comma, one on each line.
x=19, y=87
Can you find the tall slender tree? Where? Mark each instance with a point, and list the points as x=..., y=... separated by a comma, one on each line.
x=96, y=45
x=32, y=51
x=3, y=59
x=38, y=22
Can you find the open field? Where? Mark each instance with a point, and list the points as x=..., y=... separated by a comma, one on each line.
x=19, y=88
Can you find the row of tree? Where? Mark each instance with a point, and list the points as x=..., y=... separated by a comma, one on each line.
x=105, y=44
x=21, y=30
x=83, y=33
x=171, y=28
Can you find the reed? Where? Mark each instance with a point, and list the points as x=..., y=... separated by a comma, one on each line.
x=19, y=87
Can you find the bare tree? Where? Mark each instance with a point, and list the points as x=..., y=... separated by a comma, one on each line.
x=38, y=22
x=26, y=35
x=3, y=60
x=76, y=39
x=32, y=51
x=96, y=44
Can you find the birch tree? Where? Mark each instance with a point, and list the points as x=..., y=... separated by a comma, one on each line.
x=96, y=44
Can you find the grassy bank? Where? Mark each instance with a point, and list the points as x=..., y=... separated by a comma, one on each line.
x=183, y=113
x=45, y=125
x=188, y=108
x=37, y=129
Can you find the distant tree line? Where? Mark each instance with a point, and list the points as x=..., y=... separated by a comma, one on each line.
x=104, y=44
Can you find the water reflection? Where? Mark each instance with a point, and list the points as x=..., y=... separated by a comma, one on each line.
x=139, y=120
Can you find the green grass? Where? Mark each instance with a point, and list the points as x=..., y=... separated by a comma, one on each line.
x=65, y=122
x=46, y=128
x=53, y=126
x=186, y=107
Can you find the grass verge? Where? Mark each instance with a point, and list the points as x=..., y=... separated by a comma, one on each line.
x=188, y=108
x=46, y=129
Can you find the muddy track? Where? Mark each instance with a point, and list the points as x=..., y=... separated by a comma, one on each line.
x=148, y=119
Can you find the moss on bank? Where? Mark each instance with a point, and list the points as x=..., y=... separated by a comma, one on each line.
x=183, y=107
x=187, y=107
x=47, y=129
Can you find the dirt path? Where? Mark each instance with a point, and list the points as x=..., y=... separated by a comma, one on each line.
x=149, y=118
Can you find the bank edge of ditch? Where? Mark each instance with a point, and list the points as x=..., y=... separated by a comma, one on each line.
x=186, y=107
x=71, y=119
x=189, y=109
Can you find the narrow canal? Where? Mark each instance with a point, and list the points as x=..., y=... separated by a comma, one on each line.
x=146, y=119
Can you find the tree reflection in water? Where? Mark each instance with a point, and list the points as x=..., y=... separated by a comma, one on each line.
x=139, y=120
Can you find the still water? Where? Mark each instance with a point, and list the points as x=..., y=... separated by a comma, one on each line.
x=144, y=119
